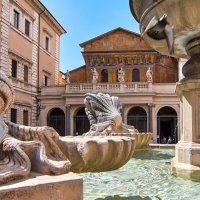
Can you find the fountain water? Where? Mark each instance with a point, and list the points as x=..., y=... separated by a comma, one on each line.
x=172, y=27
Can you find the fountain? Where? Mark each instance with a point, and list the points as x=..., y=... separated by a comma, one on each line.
x=172, y=28
x=35, y=154
x=104, y=114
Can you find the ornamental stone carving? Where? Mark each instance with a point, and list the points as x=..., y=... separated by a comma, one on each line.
x=104, y=114
x=149, y=75
x=67, y=77
x=40, y=149
x=121, y=75
x=95, y=75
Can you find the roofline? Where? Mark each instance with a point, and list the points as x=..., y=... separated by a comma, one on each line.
x=53, y=18
x=120, y=51
x=104, y=34
x=77, y=68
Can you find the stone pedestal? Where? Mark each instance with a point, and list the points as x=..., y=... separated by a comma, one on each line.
x=187, y=160
x=62, y=187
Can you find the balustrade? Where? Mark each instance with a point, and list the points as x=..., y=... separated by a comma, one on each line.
x=105, y=87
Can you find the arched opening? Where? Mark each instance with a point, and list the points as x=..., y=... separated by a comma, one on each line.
x=137, y=117
x=136, y=75
x=167, y=125
x=104, y=76
x=81, y=122
x=56, y=119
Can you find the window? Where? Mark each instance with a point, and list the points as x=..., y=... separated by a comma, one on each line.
x=26, y=73
x=25, y=117
x=13, y=116
x=47, y=43
x=104, y=76
x=14, y=69
x=108, y=61
x=46, y=80
x=16, y=19
x=136, y=75
x=27, y=27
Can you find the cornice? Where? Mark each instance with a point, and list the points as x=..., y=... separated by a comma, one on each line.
x=41, y=9
x=19, y=57
x=23, y=9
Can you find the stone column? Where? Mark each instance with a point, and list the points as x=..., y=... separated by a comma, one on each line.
x=149, y=124
x=67, y=132
x=123, y=113
x=187, y=157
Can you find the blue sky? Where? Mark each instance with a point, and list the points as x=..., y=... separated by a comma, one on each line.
x=84, y=20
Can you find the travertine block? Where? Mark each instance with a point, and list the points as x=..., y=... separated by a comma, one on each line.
x=39, y=187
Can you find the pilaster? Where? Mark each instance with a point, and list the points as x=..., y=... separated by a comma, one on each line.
x=67, y=131
x=57, y=59
x=4, y=37
x=149, y=124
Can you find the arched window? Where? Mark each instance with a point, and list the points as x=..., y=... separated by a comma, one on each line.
x=136, y=75
x=56, y=119
x=104, y=76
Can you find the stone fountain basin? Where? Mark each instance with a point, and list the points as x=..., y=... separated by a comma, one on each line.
x=182, y=14
x=97, y=153
x=141, y=139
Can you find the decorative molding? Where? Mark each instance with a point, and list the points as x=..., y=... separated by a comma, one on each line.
x=14, y=55
x=47, y=32
x=22, y=9
x=46, y=72
x=48, y=17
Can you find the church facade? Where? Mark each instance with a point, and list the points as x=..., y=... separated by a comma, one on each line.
x=121, y=64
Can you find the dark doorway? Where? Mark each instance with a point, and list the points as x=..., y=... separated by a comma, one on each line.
x=137, y=117
x=81, y=122
x=56, y=119
x=167, y=125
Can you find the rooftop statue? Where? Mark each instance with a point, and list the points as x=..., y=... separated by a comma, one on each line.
x=121, y=75
x=95, y=75
x=149, y=75
x=40, y=149
x=67, y=77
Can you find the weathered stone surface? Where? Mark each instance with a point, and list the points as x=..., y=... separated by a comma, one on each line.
x=40, y=149
x=38, y=187
x=104, y=114
x=97, y=153
x=141, y=139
